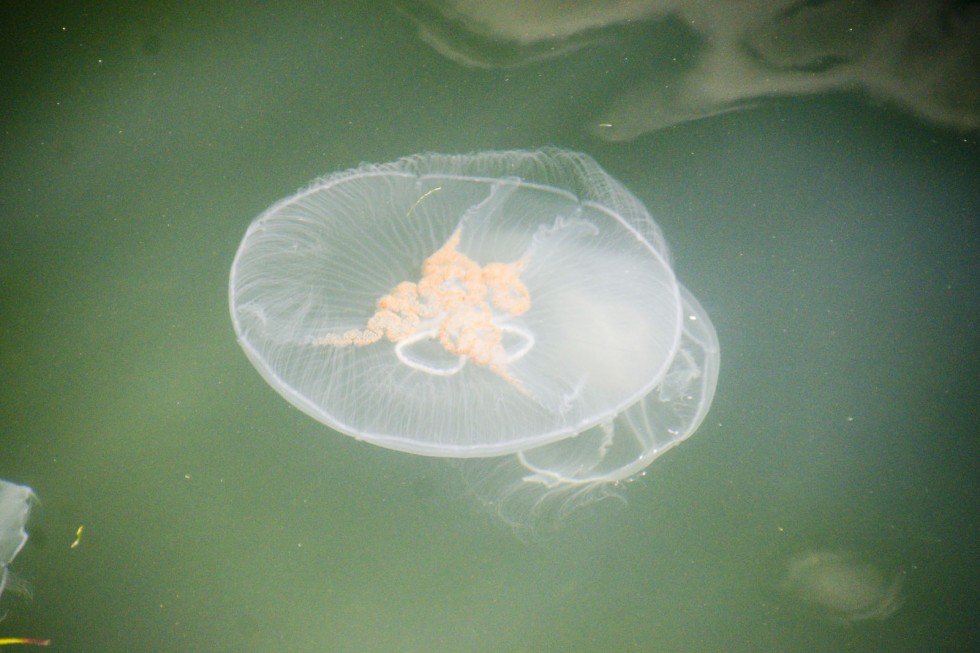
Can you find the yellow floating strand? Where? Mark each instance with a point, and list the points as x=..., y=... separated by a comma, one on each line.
x=422, y=198
x=24, y=640
x=78, y=536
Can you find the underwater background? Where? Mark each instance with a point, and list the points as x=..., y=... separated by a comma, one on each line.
x=821, y=200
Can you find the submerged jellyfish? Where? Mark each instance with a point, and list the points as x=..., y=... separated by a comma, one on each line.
x=842, y=587
x=515, y=306
x=15, y=505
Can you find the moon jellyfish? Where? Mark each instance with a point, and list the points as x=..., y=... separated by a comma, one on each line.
x=843, y=588
x=15, y=506
x=516, y=309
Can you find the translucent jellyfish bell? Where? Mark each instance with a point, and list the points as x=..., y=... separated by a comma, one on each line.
x=535, y=489
x=473, y=306
x=15, y=506
x=841, y=587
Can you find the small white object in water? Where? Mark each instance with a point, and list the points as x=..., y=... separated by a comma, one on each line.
x=15, y=506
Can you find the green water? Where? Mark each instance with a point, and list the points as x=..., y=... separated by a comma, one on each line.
x=833, y=241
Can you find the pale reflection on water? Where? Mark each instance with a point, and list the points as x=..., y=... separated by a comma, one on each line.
x=916, y=55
